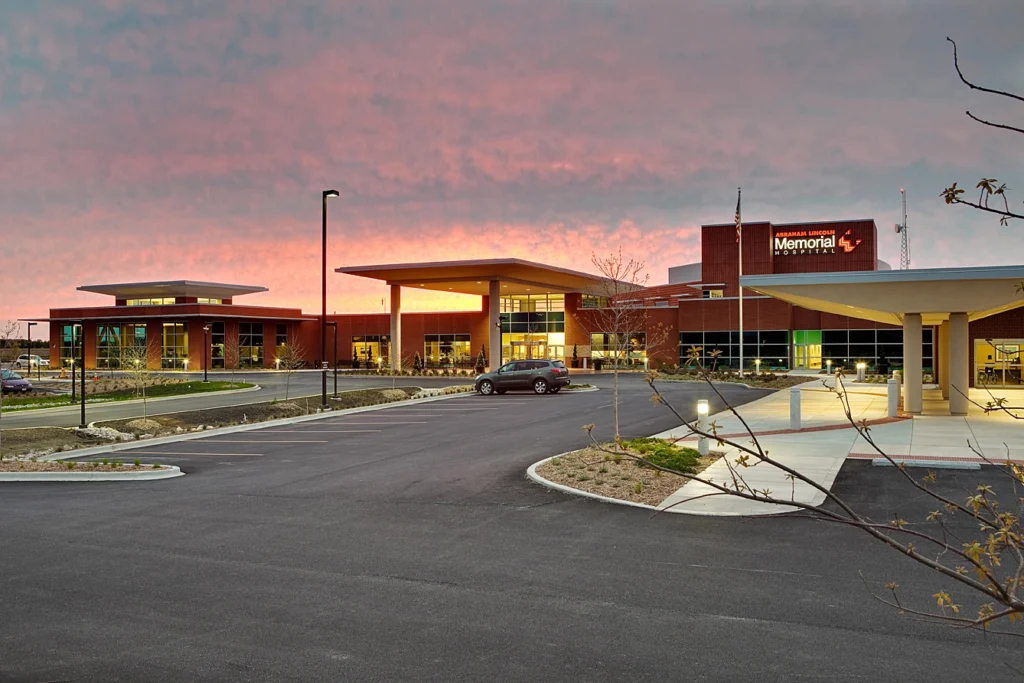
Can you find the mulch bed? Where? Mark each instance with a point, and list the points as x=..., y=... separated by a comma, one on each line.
x=583, y=470
x=70, y=466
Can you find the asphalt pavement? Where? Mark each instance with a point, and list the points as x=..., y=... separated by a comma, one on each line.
x=406, y=544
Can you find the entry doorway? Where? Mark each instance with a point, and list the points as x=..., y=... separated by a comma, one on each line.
x=807, y=349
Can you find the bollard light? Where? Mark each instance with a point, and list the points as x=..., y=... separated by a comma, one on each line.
x=757, y=365
x=702, y=441
x=862, y=366
x=828, y=364
x=861, y=369
x=277, y=363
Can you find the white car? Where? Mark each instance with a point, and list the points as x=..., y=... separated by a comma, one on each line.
x=33, y=361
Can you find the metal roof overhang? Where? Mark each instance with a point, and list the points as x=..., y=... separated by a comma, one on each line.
x=517, y=277
x=884, y=296
x=169, y=288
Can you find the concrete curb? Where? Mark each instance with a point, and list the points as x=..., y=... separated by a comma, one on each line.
x=221, y=431
x=531, y=472
x=580, y=391
x=134, y=474
x=139, y=400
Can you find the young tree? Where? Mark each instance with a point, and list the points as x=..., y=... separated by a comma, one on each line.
x=290, y=357
x=975, y=543
x=135, y=364
x=989, y=189
x=621, y=315
x=232, y=351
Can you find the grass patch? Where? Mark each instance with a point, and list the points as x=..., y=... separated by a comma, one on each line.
x=624, y=477
x=178, y=388
x=577, y=387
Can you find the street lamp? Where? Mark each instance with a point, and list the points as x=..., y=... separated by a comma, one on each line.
x=323, y=302
x=206, y=359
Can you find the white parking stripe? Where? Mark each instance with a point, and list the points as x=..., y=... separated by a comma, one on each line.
x=260, y=441
x=373, y=423
x=318, y=431
x=170, y=453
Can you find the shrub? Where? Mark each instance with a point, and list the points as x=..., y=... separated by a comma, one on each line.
x=70, y=464
x=664, y=454
x=136, y=462
x=617, y=459
x=639, y=487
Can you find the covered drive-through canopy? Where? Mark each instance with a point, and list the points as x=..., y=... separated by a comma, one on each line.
x=948, y=297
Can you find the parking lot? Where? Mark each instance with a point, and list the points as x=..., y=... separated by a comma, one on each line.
x=406, y=544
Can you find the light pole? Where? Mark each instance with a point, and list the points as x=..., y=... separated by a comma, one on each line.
x=323, y=304
x=29, y=342
x=206, y=359
x=334, y=356
x=81, y=392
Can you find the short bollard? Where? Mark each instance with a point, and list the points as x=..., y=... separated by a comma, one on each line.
x=861, y=371
x=702, y=418
x=794, y=409
x=894, y=397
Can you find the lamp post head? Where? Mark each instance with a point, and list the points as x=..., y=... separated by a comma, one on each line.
x=330, y=193
x=206, y=328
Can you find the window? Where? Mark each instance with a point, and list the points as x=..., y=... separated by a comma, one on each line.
x=71, y=337
x=714, y=293
x=217, y=345
x=371, y=349
x=202, y=300
x=590, y=301
x=174, y=347
x=442, y=350
x=164, y=301
x=120, y=345
x=250, y=345
x=282, y=335
x=882, y=349
x=629, y=348
x=771, y=346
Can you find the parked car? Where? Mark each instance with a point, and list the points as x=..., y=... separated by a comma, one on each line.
x=541, y=376
x=33, y=361
x=12, y=381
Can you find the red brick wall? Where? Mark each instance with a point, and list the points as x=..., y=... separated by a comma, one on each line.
x=863, y=257
x=719, y=251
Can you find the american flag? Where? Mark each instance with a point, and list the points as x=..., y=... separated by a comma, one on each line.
x=739, y=225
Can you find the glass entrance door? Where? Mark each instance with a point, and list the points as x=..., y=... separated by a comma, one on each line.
x=807, y=349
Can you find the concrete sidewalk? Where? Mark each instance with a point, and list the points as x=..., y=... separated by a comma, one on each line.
x=826, y=439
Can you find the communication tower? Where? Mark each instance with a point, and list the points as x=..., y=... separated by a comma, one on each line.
x=901, y=228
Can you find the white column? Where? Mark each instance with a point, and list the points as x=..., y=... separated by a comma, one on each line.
x=912, y=371
x=494, y=324
x=943, y=360
x=959, y=372
x=396, y=327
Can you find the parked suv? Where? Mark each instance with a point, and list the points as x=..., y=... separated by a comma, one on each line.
x=542, y=376
x=33, y=361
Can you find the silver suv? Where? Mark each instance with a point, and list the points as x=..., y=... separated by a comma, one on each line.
x=542, y=376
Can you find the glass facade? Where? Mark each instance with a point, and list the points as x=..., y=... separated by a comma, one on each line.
x=217, y=345
x=70, y=339
x=250, y=345
x=120, y=344
x=771, y=346
x=281, y=336
x=882, y=350
x=533, y=333
x=442, y=350
x=997, y=362
x=174, y=346
x=630, y=349
x=372, y=349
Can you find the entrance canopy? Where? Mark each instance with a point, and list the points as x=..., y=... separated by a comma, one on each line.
x=517, y=277
x=885, y=296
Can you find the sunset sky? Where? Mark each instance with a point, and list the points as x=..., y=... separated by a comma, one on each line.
x=189, y=139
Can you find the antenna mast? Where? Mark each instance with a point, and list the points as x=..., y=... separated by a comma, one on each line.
x=902, y=230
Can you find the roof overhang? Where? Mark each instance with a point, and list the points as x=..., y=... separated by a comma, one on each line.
x=517, y=277
x=169, y=288
x=886, y=295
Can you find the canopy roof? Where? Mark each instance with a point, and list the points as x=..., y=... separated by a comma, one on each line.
x=517, y=277
x=886, y=295
x=172, y=288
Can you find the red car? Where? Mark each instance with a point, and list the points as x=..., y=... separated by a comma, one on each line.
x=12, y=381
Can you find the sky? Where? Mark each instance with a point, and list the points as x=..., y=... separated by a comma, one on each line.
x=185, y=139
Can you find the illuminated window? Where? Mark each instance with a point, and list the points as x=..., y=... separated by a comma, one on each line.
x=120, y=345
x=371, y=348
x=441, y=350
x=713, y=293
x=250, y=345
x=217, y=345
x=69, y=341
x=150, y=302
x=174, y=346
x=210, y=301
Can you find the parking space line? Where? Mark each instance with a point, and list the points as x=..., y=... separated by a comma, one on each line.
x=171, y=453
x=374, y=423
x=261, y=441
x=317, y=431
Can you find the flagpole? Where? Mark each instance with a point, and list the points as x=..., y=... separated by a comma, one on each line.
x=739, y=242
